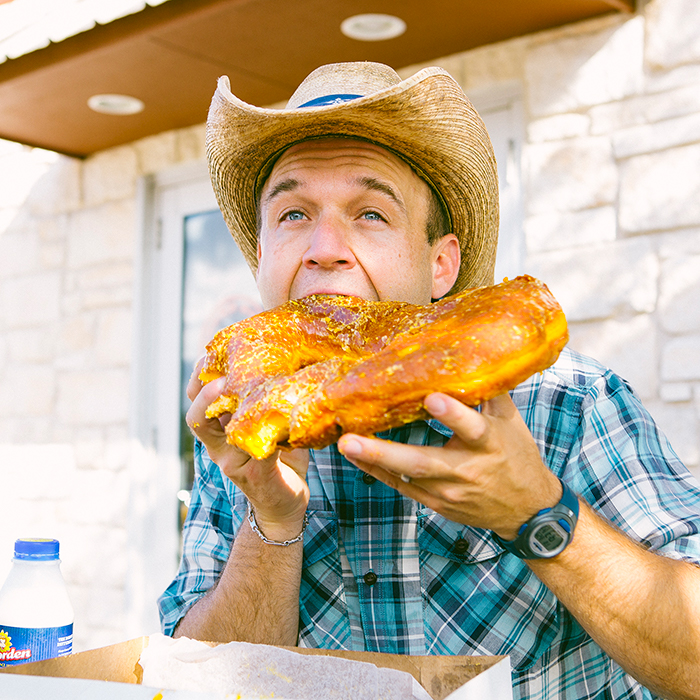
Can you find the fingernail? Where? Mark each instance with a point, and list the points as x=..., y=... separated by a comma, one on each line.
x=351, y=448
x=436, y=405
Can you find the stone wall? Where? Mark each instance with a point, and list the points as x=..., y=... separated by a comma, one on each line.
x=611, y=222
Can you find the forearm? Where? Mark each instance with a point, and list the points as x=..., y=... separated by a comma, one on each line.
x=256, y=598
x=641, y=608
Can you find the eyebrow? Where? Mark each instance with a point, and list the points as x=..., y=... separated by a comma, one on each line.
x=371, y=183
x=285, y=186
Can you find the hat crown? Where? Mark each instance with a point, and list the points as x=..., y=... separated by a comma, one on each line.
x=357, y=78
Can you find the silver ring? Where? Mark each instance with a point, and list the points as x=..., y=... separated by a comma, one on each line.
x=406, y=479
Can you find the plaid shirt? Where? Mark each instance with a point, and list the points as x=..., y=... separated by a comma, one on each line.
x=446, y=588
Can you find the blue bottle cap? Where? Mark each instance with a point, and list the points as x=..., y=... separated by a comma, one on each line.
x=36, y=549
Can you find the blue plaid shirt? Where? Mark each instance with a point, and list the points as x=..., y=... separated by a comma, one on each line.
x=446, y=588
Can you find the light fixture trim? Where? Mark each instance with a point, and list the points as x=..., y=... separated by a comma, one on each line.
x=115, y=104
x=373, y=27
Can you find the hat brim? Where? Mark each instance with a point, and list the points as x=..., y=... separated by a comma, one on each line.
x=426, y=120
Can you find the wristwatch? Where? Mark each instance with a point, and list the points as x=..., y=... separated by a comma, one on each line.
x=549, y=532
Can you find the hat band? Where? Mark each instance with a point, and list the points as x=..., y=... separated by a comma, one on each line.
x=326, y=100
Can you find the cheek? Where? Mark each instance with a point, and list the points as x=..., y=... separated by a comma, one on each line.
x=277, y=266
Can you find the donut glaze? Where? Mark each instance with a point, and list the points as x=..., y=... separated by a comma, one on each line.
x=304, y=373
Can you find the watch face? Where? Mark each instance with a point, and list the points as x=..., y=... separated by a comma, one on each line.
x=548, y=539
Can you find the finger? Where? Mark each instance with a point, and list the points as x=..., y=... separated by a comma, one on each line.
x=194, y=385
x=466, y=423
x=395, y=458
x=501, y=406
x=196, y=417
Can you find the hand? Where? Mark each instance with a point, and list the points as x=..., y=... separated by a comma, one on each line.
x=488, y=475
x=276, y=486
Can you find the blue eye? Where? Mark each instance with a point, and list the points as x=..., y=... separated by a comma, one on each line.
x=372, y=216
x=294, y=216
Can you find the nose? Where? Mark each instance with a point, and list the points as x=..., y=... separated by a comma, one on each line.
x=329, y=246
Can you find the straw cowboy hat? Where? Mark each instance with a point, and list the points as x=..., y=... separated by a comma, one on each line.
x=426, y=120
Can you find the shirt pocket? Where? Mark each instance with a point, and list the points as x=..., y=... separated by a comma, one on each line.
x=478, y=599
x=323, y=614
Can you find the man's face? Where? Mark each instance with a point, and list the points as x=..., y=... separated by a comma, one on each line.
x=348, y=217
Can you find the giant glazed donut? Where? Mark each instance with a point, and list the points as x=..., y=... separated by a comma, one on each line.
x=304, y=373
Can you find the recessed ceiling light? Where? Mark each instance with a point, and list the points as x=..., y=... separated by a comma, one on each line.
x=373, y=27
x=115, y=104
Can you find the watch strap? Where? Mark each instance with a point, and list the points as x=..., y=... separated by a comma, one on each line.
x=565, y=514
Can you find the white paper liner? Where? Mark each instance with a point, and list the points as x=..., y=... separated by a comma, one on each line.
x=255, y=671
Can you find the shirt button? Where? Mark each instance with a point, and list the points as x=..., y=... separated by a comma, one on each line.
x=370, y=578
x=461, y=546
x=368, y=479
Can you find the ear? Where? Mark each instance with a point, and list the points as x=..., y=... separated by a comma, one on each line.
x=446, y=258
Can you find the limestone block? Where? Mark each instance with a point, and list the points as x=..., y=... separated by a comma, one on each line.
x=645, y=109
x=190, y=143
x=59, y=189
x=492, y=64
x=100, y=556
x=452, y=64
x=113, y=346
x=28, y=391
x=601, y=280
x=647, y=138
x=89, y=450
x=103, y=234
x=155, y=153
x=31, y=345
x=660, y=190
x=98, y=497
x=100, y=286
x=30, y=300
x=93, y=398
x=110, y=176
x=628, y=347
x=677, y=422
x=53, y=229
x=76, y=341
x=676, y=392
x=672, y=35
x=570, y=175
x=675, y=243
x=109, y=275
x=558, y=127
x=52, y=255
x=20, y=251
x=117, y=449
x=679, y=298
x=37, y=472
x=558, y=230
x=589, y=69
x=668, y=79
x=680, y=359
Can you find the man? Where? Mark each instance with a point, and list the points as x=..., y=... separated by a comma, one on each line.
x=456, y=535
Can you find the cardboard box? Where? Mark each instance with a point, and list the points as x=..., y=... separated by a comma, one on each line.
x=114, y=672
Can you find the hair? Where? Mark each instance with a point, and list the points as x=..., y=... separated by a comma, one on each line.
x=437, y=222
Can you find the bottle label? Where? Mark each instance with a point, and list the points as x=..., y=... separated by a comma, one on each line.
x=19, y=645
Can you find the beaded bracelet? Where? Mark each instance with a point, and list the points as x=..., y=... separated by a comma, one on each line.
x=254, y=527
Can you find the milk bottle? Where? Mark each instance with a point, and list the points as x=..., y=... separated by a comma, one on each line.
x=36, y=616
